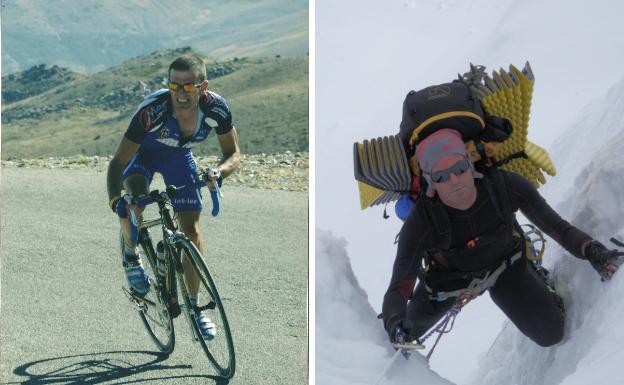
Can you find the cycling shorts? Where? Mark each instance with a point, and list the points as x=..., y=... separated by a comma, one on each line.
x=178, y=168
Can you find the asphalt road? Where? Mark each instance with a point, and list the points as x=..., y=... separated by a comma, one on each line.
x=65, y=320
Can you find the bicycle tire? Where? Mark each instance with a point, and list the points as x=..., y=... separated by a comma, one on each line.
x=156, y=318
x=220, y=351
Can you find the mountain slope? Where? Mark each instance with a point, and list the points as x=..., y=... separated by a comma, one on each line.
x=88, y=115
x=91, y=36
x=591, y=352
x=351, y=346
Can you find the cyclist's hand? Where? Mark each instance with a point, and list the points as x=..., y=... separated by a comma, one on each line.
x=212, y=176
x=118, y=205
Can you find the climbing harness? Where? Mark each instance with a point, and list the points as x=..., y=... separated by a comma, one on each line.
x=478, y=285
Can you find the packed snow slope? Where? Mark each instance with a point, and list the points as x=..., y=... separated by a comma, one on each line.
x=593, y=349
x=597, y=124
x=351, y=347
x=370, y=54
x=362, y=77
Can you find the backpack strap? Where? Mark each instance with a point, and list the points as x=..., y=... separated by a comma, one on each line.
x=438, y=217
x=499, y=196
x=517, y=155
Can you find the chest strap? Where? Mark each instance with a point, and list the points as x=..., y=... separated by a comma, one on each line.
x=478, y=285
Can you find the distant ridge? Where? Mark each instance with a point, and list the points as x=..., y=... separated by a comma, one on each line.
x=52, y=111
x=88, y=36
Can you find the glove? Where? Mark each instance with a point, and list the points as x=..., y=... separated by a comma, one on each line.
x=604, y=261
x=399, y=330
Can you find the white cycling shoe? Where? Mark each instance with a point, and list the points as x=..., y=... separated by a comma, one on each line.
x=207, y=328
x=136, y=275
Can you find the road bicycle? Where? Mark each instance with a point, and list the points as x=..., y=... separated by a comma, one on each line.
x=160, y=306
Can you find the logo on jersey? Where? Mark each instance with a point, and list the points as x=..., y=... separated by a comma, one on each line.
x=164, y=133
x=150, y=114
x=211, y=122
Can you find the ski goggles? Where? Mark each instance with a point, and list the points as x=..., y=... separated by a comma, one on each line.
x=187, y=87
x=444, y=175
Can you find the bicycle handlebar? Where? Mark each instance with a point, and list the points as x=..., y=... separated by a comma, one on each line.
x=158, y=196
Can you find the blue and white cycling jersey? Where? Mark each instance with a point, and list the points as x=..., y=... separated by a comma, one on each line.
x=155, y=128
x=162, y=148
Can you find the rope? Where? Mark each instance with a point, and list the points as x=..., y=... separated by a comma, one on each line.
x=443, y=326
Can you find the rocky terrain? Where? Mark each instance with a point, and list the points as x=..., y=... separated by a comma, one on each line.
x=56, y=113
x=39, y=78
x=287, y=171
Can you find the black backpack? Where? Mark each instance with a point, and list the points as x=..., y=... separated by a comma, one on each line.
x=449, y=105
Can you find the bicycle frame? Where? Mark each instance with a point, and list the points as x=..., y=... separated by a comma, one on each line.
x=171, y=287
x=170, y=235
x=173, y=263
x=169, y=228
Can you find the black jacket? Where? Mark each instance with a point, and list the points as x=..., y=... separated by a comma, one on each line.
x=482, y=224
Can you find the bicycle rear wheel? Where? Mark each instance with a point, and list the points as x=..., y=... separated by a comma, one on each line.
x=153, y=305
x=220, y=350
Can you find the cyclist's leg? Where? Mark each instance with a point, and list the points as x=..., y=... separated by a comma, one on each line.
x=137, y=178
x=180, y=169
x=189, y=225
x=136, y=184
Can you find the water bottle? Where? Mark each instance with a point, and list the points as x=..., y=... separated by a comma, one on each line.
x=160, y=256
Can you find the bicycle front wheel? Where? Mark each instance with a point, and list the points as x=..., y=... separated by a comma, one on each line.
x=153, y=308
x=220, y=350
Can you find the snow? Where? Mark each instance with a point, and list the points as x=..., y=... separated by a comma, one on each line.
x=351, y=345
x=591, y=351
x=368, y=56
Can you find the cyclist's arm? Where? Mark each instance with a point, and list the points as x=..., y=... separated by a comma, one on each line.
x=231, y=152
x=126, y=149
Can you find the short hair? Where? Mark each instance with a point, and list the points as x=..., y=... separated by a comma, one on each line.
x=189, y=63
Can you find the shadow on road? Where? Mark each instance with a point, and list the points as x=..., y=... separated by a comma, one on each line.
x=98, y=368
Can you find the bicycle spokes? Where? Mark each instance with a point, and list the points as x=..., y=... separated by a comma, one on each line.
x=220, y=348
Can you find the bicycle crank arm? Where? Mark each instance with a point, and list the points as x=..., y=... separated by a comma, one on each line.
x=210, y=306
x=140, y=302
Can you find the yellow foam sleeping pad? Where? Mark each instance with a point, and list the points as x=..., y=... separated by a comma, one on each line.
x=383, y=171
x=508, y=94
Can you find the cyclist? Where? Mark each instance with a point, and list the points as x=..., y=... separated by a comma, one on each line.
x=160, y=136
